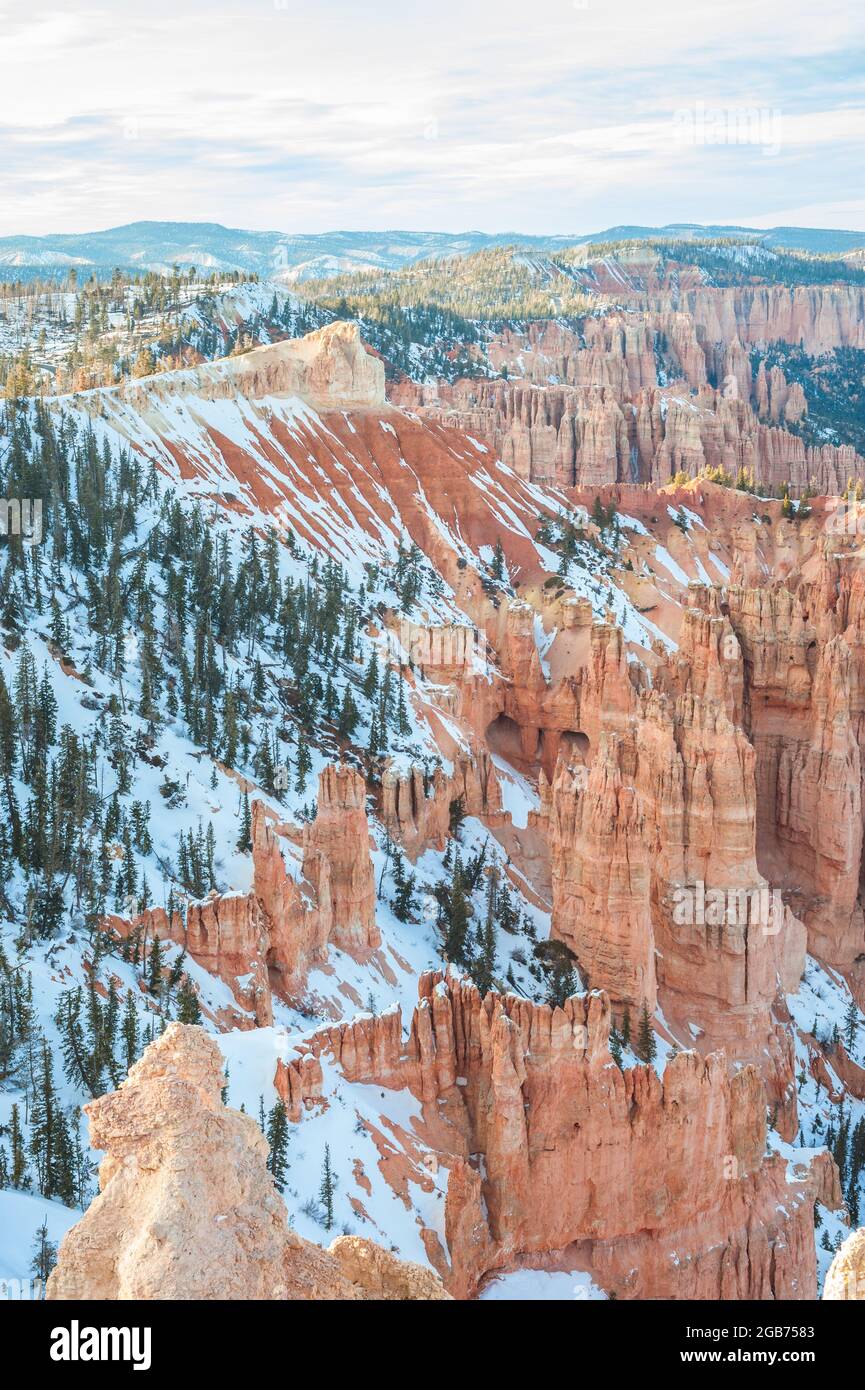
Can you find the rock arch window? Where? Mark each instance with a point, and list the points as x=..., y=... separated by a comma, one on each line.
x=575, y=746
x=570, y=746
x=504, y=738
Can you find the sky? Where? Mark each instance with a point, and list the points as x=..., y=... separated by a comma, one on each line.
x=562, y=117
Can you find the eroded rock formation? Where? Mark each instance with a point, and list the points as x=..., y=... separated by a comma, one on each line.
x=805, y=714
x=658, y=1186
x=187, y=1208
x=416, y=807
x=665, y=814
x=269, y=939
x=727, y=762
x=330, y=368
x=337, y=863
x=846, y=1277
x=662, y=390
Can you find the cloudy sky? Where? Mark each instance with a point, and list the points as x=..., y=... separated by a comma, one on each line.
x=565, y=116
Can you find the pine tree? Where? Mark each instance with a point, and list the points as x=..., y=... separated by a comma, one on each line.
x=229, y=729
x=129, y=1031
x=374, y=744
x=508, y=918
x=371, y=679
x=303, y=766
x=349, y=715
x=457, y=911
x=9, y=730
x=851, y=1023
x=155, y=968
x=839, y=1144
x=244, y=838
x=327, y=1189
x=403, y=724
x=44, y=1254
x=277, y=1138
x=175, y=974
x=485, y=965
x=498, y=565
x=646, y=1046
x=77, y=1054
x=404, y=901
x=188, y=1010
x=49, y=1134
x=18, y=1174
x=210, y=855
x=94, y=1030
x=853, y=1199
x=108, y=1037
x=562, y=982
x=456, y=816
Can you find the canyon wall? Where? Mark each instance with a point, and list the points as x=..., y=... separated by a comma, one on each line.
x=819, y=317
x=664, y=387
x=654, y=802
x=648, y=799
x=591, y=436
x=657, y=1185
x=803, y=646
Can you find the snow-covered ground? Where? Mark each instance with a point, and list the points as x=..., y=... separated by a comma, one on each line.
x=540, y=1285
x=21, y=1217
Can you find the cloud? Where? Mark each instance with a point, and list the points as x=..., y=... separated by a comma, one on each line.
x=263, y=114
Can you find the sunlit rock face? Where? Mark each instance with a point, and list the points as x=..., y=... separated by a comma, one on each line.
x=846, y=1277
x=187, y=1208
x=621, y=1170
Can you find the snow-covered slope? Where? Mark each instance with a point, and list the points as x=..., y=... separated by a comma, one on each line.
x=225, y=564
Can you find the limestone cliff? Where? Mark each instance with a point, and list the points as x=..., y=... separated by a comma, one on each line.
x=330, y=369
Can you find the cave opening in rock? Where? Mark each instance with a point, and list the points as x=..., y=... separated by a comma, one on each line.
x=574, y=746
x=505, y=739
x=570, y=746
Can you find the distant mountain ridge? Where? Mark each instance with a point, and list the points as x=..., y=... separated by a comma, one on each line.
x=210, y=246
